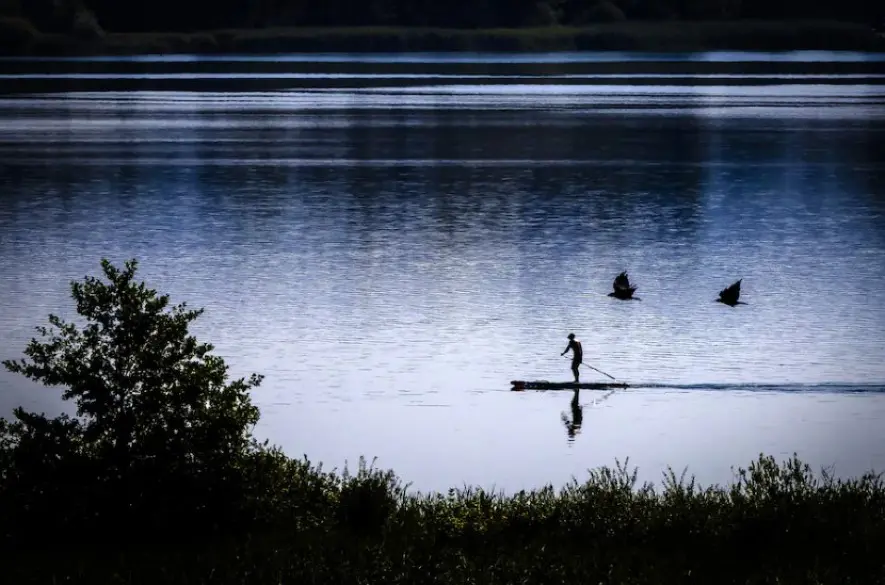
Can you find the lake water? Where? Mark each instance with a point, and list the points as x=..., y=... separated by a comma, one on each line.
x=392, y=240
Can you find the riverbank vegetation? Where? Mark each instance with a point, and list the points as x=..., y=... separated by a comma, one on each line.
x=158, y=479
x=54, y=27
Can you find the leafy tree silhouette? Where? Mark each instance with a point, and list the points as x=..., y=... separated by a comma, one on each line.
x=160, y=434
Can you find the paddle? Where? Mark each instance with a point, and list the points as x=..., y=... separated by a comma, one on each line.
x=600, y=371
x=592, y=368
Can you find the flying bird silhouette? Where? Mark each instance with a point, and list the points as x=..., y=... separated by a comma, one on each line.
x=730, y=295
x=623, y=290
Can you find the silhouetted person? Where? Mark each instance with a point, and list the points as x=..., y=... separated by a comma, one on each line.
x=623, y=290
x=730, y=295
x=574, y=425
x=577, y=355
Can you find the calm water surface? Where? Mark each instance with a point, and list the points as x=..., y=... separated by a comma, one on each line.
x=391, y=240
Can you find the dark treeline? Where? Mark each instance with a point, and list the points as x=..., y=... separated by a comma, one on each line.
x=201, y=15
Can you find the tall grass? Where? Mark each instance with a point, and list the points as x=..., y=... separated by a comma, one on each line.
x=775, y=523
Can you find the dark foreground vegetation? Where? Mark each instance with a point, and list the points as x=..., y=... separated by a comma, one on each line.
x=159, y=480
x=222, y=26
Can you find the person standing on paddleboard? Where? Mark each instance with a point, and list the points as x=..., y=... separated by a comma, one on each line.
x=577, y=355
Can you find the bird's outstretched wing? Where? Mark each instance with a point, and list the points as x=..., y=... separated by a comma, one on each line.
x=622, y=281
x=732, y=292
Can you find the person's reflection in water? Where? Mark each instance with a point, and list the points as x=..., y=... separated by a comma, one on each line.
x=573, y=425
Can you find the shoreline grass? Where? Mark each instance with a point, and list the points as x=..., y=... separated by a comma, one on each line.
x=777, y=523
x=670, y=36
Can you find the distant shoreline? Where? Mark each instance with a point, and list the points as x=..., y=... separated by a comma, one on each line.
x=671, y=36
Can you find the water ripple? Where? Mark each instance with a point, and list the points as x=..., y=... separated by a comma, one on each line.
x=376, y=251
